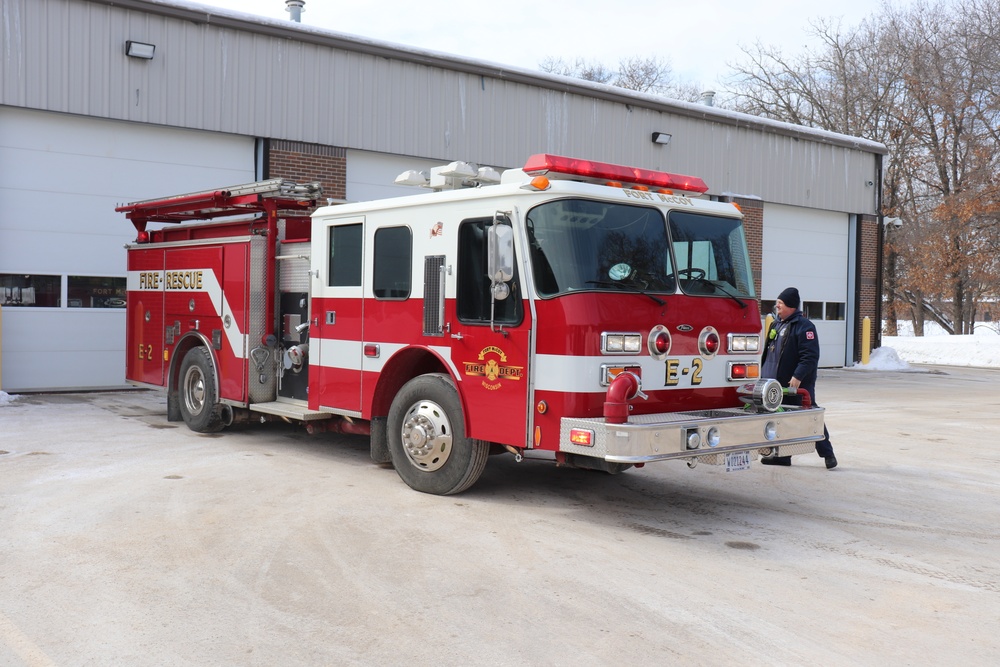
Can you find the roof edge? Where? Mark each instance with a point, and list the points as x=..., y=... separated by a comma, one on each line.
x=286, y=29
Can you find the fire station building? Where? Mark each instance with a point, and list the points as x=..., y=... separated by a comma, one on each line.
x=104, y=102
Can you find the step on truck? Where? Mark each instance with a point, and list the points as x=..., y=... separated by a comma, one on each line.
x=584, y=313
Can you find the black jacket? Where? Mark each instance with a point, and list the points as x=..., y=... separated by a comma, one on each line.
x=796, y=345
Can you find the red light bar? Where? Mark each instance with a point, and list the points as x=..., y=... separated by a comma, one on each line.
x=544, y=163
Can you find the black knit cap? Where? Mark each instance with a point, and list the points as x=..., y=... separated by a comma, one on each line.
x=790, y=296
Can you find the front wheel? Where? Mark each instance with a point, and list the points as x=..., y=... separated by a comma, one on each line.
x=197, y=392
x=427, y=441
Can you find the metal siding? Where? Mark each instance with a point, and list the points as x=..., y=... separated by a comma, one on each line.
x=223, y=79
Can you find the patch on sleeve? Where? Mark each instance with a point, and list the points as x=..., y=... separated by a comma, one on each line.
x=810, y=335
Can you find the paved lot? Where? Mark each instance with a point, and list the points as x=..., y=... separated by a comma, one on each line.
x=127, y=540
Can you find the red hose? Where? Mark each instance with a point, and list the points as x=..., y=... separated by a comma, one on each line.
x=624, y=387
x=806, y=399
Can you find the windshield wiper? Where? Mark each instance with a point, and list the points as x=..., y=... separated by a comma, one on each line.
x=622, y=286
x=727, y=293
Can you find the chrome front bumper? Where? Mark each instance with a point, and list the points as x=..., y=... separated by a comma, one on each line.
x=660, y=437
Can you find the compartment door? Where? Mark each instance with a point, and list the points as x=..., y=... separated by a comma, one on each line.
x=337, y=315
x=144, y=339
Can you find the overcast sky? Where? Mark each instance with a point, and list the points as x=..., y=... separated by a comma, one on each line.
x=697, y=37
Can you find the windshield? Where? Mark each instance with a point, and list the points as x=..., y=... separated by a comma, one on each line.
x=711, y=254
x=590, y=245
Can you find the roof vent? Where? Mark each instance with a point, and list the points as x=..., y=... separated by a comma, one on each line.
x=295, y=9
x=708, y=98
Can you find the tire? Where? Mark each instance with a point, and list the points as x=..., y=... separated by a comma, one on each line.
x=196, y=392
x=426, y=438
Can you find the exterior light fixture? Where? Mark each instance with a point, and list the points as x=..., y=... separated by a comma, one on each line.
x=139, y=50
x=661, y=138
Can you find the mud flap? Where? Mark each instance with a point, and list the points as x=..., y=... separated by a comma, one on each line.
x=379, y=440
x=173, y=407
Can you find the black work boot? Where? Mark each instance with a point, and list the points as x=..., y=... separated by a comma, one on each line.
x=778, y=461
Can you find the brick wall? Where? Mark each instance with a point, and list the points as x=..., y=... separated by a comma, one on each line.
x=753, y=227
x=868, y=281
x=305, y=163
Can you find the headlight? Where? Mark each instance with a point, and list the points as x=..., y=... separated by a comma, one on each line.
x=620, y=343
x=743, y=343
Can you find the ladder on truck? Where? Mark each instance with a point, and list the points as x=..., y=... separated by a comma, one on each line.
x=258, y=197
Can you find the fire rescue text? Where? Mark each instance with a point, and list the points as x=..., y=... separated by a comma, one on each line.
x=172, y=280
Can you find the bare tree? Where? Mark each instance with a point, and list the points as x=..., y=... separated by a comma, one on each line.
x=925, y=81
x=645, y=75
x=579, y=69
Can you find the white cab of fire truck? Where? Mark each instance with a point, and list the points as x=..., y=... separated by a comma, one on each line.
x=589, y=314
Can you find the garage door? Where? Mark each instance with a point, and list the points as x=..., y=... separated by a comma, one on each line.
x=371, y=175
x=62, y=265
x=808, y=249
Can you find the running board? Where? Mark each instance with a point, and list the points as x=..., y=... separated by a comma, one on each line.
x=289, y=410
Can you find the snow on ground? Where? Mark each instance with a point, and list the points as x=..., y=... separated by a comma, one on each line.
x=6, y=398
x=981, y=349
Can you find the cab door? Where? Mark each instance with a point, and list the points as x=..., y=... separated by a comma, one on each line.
x=490, y=340
x=337, y=311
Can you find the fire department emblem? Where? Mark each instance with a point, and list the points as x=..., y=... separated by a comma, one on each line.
x=492, y=366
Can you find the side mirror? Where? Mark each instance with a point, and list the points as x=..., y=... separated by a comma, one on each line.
x=500, y=251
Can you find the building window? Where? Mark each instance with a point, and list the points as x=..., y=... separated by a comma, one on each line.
x=30, y=291
x=836, y=311
x=393, y=251
x=813, y=309
x=345, y=256
x=95, y=292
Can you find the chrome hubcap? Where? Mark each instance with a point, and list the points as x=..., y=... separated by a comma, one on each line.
x=194, y=391
x=426, y=435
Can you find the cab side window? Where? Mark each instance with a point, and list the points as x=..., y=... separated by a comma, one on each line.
x=393, y=257
x=345, y=256
x=473, y=300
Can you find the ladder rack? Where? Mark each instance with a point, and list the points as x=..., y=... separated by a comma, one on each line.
x=249, y=198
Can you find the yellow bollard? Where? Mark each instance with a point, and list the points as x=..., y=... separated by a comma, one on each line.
x=866, y=340
x=1, y=348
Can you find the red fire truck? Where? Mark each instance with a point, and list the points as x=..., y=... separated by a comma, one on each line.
x=585, y=313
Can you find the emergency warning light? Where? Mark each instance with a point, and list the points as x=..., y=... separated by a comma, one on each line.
x=545, y=164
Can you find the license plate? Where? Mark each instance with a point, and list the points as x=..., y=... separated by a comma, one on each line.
x=737, y=461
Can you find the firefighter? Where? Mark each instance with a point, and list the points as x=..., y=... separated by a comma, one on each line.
x=791, y=356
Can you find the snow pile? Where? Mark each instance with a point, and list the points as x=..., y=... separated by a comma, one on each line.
x=7, y=399
x=981, y=349
x=883, y=359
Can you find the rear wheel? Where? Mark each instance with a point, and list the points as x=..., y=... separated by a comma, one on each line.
x=427, y=442
x=197, y=392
